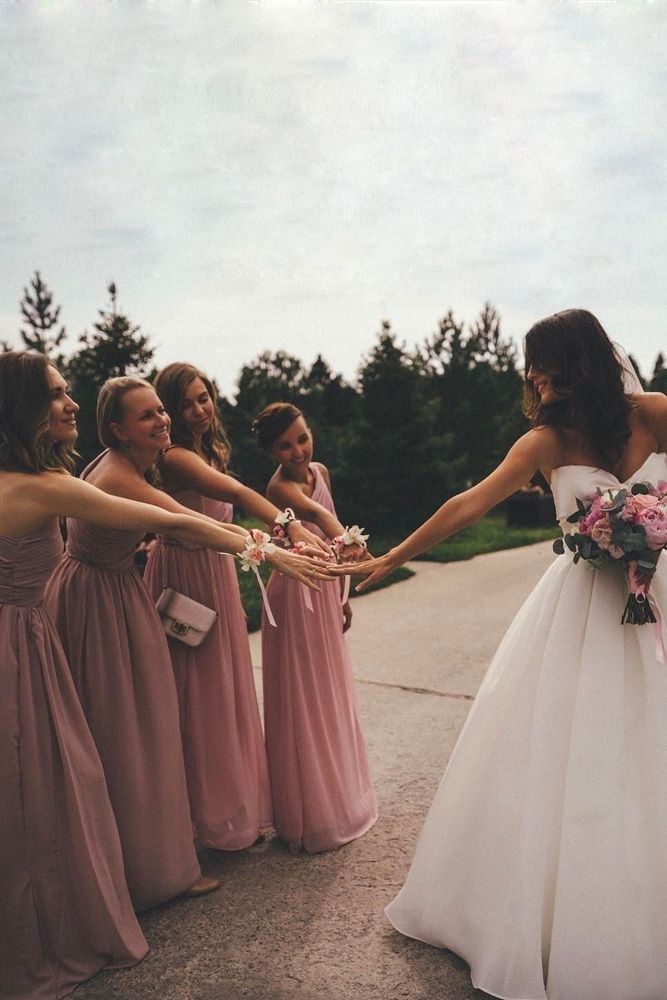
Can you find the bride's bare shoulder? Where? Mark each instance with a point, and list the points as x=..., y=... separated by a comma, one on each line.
x=545, y=444
x=650, y=409
x=649, y=402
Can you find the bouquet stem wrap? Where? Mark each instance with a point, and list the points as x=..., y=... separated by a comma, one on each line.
x=639, y=606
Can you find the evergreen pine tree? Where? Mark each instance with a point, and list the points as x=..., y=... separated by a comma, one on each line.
x=39, y=330
x=395, y=469
x=40, y=316
x=115, y=347
x=658, y=381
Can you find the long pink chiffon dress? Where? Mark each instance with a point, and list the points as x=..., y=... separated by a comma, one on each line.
x=320, y=781
x=223, y=746
x=65, y=912
x=114, y=641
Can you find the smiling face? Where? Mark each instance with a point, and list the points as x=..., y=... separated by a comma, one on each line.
x=198, y=408
x=294, y=448
x=543, y=385
x=144, y=425
x=62, y=409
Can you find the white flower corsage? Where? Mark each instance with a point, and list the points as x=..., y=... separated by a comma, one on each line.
x=257, y=546
x=353, y=535
x=282, y=523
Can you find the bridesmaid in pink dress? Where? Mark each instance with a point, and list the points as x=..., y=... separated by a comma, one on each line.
x=113, y=637
x=225, y=758
x=65, y=912
x=320, y=781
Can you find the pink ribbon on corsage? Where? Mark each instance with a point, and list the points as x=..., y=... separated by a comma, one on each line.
x=257, y=545
x=265, y=597
x=298, y=548
x=307, y=599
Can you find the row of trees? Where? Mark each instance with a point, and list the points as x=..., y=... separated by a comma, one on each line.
x=417, y=425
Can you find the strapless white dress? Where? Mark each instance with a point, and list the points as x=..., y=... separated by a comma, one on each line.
x=543, y=859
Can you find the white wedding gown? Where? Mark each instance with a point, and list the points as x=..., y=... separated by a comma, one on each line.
x=543, y=859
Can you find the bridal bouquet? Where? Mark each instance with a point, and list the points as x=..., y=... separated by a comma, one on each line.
x=627, y=526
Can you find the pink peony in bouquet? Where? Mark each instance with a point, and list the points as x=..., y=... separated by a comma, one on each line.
x=627, y=526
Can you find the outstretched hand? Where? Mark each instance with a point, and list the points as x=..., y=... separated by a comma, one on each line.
x=305, y=569
x=299, y=533
x=373, y=569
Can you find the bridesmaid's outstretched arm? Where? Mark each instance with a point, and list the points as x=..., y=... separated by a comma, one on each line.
x=190, y=471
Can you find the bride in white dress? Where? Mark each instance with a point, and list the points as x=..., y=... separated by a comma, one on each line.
x=543, y=859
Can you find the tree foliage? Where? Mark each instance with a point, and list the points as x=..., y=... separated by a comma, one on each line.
x=114, y=347
x=39, y=320
x=417, y=425
x=394, y=446
x=40, y=330
x=658, y=381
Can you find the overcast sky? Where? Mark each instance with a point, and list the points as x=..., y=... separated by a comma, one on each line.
x=286, y=175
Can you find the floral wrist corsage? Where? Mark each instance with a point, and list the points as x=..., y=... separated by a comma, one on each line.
x=352, y=537
x=257, y=546
x=281, y=524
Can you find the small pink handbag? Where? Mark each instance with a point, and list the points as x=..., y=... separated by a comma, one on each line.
x=184, y=619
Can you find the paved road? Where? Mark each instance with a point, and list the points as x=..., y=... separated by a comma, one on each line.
x=312, y=928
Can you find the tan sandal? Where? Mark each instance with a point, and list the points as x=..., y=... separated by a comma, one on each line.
x=202, y=887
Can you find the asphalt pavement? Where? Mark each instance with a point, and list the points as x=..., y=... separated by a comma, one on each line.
x=313, y=928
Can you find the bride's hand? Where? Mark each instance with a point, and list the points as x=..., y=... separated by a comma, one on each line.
x=373, y=569
x=302, y=568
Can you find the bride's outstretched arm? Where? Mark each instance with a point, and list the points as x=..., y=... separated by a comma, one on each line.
x=521, y=463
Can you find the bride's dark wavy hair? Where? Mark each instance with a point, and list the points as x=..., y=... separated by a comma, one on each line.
x=572, y=348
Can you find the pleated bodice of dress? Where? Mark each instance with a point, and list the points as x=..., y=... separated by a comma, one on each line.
x=27, y=563
x=106, y=548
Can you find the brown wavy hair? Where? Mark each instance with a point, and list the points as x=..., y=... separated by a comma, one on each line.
x=26, y=444
x=572, y=348
x=274, y=421
x=171, y=385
